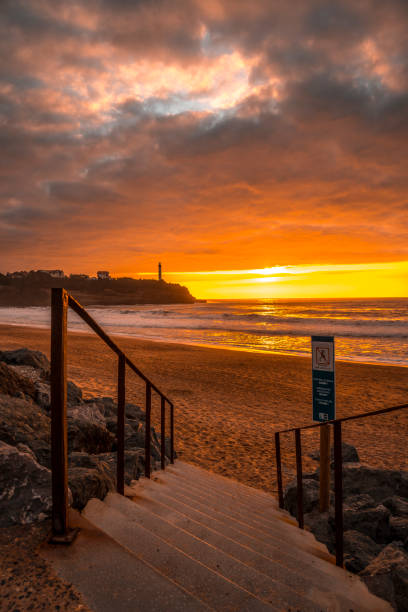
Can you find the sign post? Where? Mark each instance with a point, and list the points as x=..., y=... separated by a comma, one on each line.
x=324, y=406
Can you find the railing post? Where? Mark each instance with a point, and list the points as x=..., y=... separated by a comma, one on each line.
x=171, y=433
x=59, y=438
x=338, y=493
x=324, y=481
x=279, y=469
x=163, y=433
x=147, y=429
x=299, y=478
x=120, y=462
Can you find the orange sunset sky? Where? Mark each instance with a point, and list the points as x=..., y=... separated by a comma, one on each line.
x=255, y=148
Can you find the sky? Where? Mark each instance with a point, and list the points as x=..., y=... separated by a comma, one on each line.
x=256, y=148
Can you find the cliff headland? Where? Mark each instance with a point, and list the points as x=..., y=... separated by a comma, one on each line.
x=33, y=289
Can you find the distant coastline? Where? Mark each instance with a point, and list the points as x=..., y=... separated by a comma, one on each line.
x=21, y=289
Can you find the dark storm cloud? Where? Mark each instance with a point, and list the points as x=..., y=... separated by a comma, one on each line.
x=80, y=193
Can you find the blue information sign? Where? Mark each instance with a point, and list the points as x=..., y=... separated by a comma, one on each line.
x=324, y=392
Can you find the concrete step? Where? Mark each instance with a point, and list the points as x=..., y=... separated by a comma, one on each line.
x=206, y=584
x=234, y=568
x=240, y=522
x=308, y=581
x=233, y=505
x=187, y=540
x=187, y=470
x=111, y=578
x=201, y=476
x=266, y=514
x=292, y=558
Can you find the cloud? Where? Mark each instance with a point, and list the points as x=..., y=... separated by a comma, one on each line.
x=217, y=131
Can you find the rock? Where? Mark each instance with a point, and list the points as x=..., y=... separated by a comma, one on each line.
x=134, y=463
x=26, y=357
x=378, y=483
x=134, y=412
x=87, y=431
x=387, y=575
x=399, y=528
x=25, y=487
x=360, y=513
x=11, y=383
x=24, y=422
x=106, y=406
x=359, y=550
x=349, y=454
x=86, y=483
x=310, y=496
x=318, y=522
x=396, y=505
x=23, y=448
x=74, y=394
x=137, y=440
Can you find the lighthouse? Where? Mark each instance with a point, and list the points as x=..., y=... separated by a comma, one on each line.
x=160, y=274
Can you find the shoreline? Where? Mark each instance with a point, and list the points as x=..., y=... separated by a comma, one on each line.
x=209, y=346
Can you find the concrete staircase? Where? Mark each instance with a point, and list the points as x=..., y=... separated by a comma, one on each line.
x=190, y=540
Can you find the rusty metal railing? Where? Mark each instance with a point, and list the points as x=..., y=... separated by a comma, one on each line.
x=338, y=470
x=60, y=301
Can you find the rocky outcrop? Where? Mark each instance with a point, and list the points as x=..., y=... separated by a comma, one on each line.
x=375, y=519
x=87, y=431
x=25, y=487
x=359, y=550
x=348, y=451
x=11, y=383
x=24, y=422
x=26, y=357
x=387, y=575
x=25, y=481
x=361, y=513
x=310, y=496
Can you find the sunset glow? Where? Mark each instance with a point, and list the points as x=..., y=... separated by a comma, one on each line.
x=256, y=149
x=349, y=280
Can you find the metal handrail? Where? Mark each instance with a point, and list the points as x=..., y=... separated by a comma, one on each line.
x=338, y=470
x=60, y=301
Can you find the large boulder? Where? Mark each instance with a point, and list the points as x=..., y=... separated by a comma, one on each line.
x=25, y=487
x=86, y=483
x=398, y=528
x=134, y=463
x=24, y=422
x=348, y=451
x=136, y=439
x=106, y=406
x=359, y=550
x=74, y=394
x=310, y=496
x=361, y=513
x=11, y=383
x=87, y=431
x=318, y=522
x=26, y=357
x=376, y=482
x=396, y=505
x=387, y=575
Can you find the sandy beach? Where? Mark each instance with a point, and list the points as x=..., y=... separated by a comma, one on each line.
x=229, y=403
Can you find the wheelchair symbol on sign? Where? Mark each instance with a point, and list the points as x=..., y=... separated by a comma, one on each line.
x=322, y=356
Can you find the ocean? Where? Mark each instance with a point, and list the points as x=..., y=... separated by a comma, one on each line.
x=365, y=330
